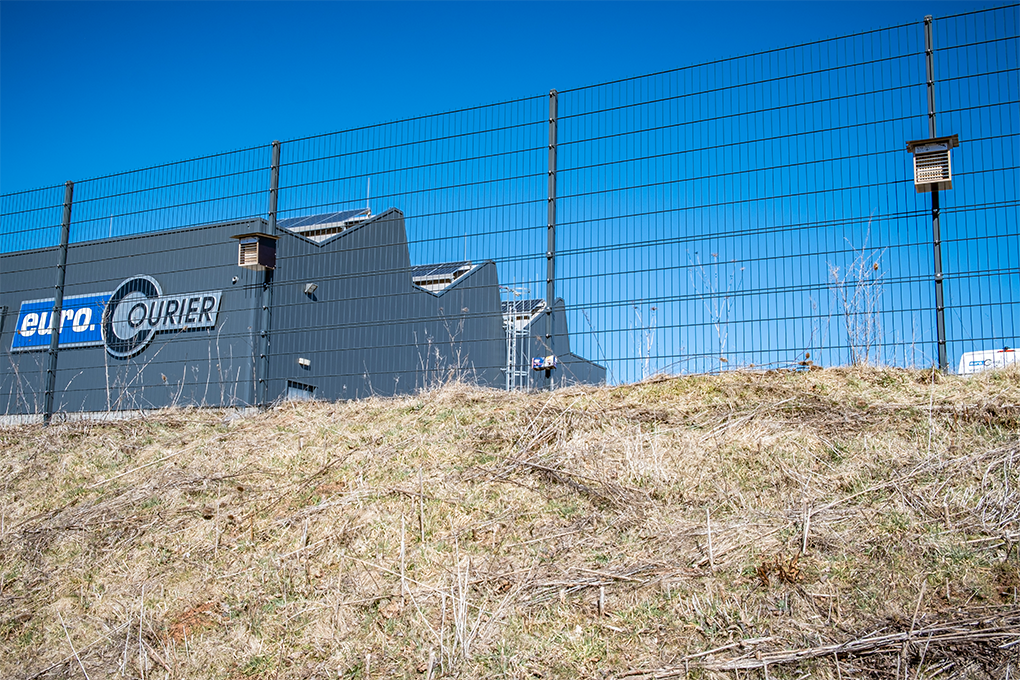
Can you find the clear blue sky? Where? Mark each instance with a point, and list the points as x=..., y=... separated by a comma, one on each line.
x=92, y=88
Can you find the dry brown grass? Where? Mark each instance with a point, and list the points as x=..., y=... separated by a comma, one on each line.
x=844, y=523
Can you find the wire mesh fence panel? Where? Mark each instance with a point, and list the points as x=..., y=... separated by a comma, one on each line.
x=469, y=183
x=168, y=208
x=470, y=188
x=977, y=65
x=752, y=212
x=31, y=219
x=219, y=188
x=727, y=209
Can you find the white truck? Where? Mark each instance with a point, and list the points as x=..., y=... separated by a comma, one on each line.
x=975, y=362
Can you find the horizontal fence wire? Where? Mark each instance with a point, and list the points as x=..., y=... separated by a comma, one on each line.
x=752, y=212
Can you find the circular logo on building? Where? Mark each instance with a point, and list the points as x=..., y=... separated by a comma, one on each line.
x=126, y=330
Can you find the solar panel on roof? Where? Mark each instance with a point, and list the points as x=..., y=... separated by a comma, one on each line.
x=522, y=306
x=442, y=269
x=308, y=221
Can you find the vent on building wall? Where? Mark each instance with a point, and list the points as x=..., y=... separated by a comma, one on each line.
x=932, y=166
x=256, y=251
x=297, y=391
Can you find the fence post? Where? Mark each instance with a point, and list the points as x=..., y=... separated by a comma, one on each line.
x=940, y=317
x=267, y=284
x=550, y=255
x=58, y=304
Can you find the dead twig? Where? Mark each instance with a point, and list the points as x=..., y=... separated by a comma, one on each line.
x=986, y=629
x=73, y=651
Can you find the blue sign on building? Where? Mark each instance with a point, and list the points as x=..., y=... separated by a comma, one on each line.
x=80, y=322
x=124, y=320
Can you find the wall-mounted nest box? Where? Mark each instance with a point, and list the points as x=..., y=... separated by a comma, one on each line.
x=256, y=251
x=932, y=169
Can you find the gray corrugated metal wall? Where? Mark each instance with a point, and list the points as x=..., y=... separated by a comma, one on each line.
x=366, y=329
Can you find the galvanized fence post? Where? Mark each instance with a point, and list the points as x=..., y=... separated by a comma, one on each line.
x=550, y=255
x=58, y=304
x=940, y=317
x=267, y=284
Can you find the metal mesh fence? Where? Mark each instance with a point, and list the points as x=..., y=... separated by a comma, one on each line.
x=471, y=184
x=31, y=219
x=758, y=211
x=217, y=188
x=761, y=211
x=471, y=187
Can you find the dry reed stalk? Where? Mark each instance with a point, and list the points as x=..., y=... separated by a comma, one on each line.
x=708, y=531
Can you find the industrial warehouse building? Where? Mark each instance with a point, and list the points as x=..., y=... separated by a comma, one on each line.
x=190, y=317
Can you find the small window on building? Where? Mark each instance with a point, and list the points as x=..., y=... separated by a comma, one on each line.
x=297, y=391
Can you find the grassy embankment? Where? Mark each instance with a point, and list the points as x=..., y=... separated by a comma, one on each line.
x=843, y=523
